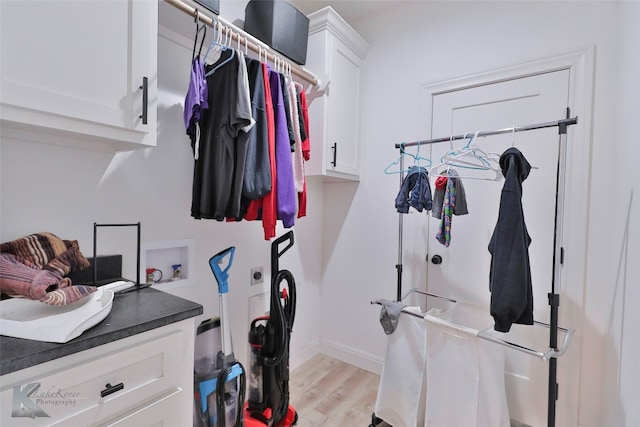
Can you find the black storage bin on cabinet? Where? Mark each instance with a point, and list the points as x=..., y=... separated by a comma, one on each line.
x=280, y=25
x=212, y=5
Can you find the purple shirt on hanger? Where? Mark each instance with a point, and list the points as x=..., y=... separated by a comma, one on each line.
x=286, y=191
x=196, y=99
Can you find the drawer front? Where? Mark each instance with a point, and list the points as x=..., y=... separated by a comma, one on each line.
x=98, y=388
x=162, y=412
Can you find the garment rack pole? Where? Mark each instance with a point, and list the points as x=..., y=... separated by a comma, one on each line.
x=400, y=225
x=560, y=123
x=554, y=295
x=243, y=37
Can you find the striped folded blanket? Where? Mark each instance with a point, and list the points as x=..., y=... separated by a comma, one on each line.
x=35, y=267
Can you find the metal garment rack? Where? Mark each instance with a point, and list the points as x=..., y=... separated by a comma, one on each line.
x=244, y=39
x=554, y=296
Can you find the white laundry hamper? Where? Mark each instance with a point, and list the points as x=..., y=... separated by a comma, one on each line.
x=438, y=373
x=400, y=401
x=464, y=373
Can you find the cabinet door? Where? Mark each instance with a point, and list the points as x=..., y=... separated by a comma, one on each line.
x=343, y=110
x=77, y=67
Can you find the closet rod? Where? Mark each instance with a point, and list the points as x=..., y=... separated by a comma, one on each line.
x=240, y=35
x=557, y=123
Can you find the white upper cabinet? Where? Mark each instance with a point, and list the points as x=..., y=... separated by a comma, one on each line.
x=73, y=72
x=335, y=51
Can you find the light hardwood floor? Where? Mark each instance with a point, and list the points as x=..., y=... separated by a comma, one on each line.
x=330, y=393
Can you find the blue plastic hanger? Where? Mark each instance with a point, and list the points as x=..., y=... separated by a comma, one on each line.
x=417, y=161
x=224, y=47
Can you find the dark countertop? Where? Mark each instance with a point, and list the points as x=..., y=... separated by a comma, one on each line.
x=131, y=313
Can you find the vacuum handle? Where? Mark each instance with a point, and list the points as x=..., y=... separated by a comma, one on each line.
x=222, y=274
x=275, y=253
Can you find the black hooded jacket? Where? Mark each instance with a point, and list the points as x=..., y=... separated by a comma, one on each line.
x=510, y=271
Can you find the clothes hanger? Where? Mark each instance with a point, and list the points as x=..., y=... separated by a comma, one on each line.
x=224, y=47
x=470, y=157
x=416, y=161
x=199, y=28
x=513, y=143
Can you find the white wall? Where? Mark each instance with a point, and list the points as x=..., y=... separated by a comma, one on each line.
x=425, y=42
x=619, y=289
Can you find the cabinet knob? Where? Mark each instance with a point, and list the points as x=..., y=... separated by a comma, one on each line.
x=334, y=147
x=109, y=389
x=145, y=100
x=436, y=259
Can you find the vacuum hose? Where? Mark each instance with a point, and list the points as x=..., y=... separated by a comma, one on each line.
x=220, y=395
x=282, y=317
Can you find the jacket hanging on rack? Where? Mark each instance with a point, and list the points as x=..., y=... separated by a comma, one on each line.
x=510, y=270
x=415, y=191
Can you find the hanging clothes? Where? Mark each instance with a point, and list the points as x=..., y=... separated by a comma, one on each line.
x=243, y=109
x=266, y=207
x=285, y=189
x=510, y=270
x=301, y=122
x=306, y=150
x=286, y=100
x=246, y=166
x=195, y=103
x=306, y=142
x=440, y=184
x=448, y=201
x=296, y=148
x=415, y=191
x=214, y=170
x=257, y=175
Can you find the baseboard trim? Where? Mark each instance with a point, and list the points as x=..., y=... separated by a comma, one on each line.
x=300, y=357
x=351, y=355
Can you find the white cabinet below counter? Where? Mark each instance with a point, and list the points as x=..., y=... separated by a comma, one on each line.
x=142, y=380
x=80, y=73
x=336, y=51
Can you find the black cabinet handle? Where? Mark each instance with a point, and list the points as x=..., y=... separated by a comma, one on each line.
x=109, y=389
x=334, y=147
x=145, y=99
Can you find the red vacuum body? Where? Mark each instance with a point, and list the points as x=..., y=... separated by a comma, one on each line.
x=269, y=336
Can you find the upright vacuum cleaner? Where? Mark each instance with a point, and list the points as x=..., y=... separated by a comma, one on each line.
x=268, y=400
x=219, y=378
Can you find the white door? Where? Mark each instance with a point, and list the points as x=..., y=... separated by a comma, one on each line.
x=464, y=271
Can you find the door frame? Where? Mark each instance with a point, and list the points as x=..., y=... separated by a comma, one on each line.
x=572, y=281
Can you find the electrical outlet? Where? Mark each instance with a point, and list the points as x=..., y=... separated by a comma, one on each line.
x=257, y=275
